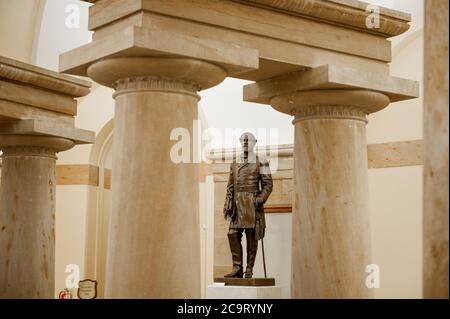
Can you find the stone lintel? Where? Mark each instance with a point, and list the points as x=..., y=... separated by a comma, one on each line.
x=31, y=92
x=141, y=42
x=11, y=111
x=246, y=24
x=33, y=96
x=286, y=42
x=331, y=77
x=346, y=13
x=40, y=78
x=47, y=128
x=349, y=13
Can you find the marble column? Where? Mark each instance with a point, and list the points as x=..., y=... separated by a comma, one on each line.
x=37, y=115
x=27, y=215
x=330, y=221
x=154, y=238
x=435, y=175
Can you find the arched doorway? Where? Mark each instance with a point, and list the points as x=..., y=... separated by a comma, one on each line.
x=99, y=207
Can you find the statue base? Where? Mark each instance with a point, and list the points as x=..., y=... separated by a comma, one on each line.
x=246, y=281
x=218, y=290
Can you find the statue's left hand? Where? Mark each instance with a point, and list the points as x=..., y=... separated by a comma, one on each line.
x=259, y=201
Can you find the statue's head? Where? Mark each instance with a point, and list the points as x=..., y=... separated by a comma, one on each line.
x=248, y=142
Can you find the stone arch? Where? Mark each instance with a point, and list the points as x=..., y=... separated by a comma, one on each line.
x=98, y=208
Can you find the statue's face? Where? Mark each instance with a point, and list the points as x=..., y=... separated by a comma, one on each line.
x=248, y=142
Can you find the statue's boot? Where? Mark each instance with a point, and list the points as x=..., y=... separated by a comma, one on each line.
x=234, y=239
x=252, y=248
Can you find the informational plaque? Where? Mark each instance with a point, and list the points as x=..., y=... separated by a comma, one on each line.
x=87, y=289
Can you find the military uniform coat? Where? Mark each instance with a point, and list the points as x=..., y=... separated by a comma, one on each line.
x=250, y=178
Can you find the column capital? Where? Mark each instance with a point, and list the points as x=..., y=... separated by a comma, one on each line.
x=330, y=85
x=131, y=74
x=316, y=104
x=27, y=145
x=155, y=83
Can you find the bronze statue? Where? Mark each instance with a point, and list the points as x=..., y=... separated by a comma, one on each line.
x=249, y=186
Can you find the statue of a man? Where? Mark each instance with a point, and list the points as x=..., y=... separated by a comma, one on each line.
x=249, y=186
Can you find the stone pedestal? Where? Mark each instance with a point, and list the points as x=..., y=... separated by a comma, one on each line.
x=245, y=281
x=220, y=291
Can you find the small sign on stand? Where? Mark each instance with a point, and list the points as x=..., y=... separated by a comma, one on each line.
x=87, y=289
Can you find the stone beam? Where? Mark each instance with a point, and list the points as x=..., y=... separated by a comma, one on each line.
x=28, y=92
x=135, y=41
x=287, y=40
x=348, y=13
x=32, y=75
x=47, y=128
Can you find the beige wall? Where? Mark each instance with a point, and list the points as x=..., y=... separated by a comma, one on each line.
x=70, y=223
x=395, y=207
x=19, y=28
x=395, y=194
x=401, y=121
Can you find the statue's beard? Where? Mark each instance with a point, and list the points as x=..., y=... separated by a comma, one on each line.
x=247, y=151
